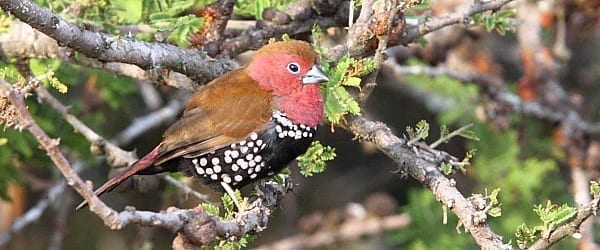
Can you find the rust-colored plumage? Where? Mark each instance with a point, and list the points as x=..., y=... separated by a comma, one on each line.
x=245, y=125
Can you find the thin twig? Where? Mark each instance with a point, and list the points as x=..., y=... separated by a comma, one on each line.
x=450, y=135
x=570, y=228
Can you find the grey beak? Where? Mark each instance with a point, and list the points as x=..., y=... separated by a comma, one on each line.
x=315, y=75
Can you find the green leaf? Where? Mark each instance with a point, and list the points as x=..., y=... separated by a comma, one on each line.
x=211, y=209
x=525, y=235
x=553, y=215
x=353, y=82
x=446, y=168
x=314, y=160
x=595, y=189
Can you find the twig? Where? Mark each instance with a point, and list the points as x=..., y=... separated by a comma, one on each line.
x=450, y=135
x=570, y=228
x=437, y=23
x=114, y=155
x=186, y=189
x=424, y=169
x=151, y=120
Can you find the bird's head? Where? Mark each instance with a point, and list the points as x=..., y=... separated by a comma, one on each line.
x=290, y=70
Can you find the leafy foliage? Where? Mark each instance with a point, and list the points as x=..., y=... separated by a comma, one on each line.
x=229, y=214
x=346, y=73
x=420, y=132
x=255, y=8
x=500, y=21
x=313, y=161
x=551, y=215
x=166, y=17
x=517, y=164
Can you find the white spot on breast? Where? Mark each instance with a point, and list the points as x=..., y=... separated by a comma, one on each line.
x=252, y=176
x=249, y=157
x=226, y=178
x=250, y=144
x=214, y=177
x=278, y=129
x=203, y=162
x=195, y=162
x=217, y=168
x=253, y=136
x=304, y=134
x=235, y=154
x=258, y=158
x=259, y=142
x=243, y=164
x=215, y=161
x=238, y=178
x=209, y=171
x=257, y=169
x=291, y=134
x=242, y=143
x=251, y=164
x=228, y=159
x=199, y=170
x=234, y=167
x=250, y=170
x=244, y=150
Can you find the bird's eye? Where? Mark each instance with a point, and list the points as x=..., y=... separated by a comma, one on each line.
x=293, y=68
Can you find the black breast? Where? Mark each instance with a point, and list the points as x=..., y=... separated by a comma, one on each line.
x=263, y=153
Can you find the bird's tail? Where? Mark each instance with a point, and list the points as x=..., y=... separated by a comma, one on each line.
x=142, y=164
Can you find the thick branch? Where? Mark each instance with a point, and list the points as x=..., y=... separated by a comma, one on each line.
x=195, y=64
x=422, y=163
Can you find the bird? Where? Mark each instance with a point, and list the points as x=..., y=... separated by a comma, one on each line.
x=245, y=125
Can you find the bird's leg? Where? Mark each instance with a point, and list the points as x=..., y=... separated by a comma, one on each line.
x=231, y=194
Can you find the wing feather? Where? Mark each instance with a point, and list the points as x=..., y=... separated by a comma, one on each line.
x=225, y=111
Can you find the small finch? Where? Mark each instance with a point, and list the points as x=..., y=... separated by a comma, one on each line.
x=245, y=125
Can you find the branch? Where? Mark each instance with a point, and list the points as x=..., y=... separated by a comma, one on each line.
x=194, y=224
x=141, y=125
x=494, y=88
x=421, y=163
x=104, y=47
x=570, y=228
x=437, y=23
x=358, y=39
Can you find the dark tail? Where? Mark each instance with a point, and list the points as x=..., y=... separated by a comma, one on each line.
x=142, y=164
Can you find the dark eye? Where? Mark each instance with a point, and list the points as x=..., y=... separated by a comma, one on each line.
x=293, y=68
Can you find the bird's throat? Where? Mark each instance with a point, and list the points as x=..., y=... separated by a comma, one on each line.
x=303, y=107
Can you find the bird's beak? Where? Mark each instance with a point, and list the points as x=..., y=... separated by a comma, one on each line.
x=314, y=75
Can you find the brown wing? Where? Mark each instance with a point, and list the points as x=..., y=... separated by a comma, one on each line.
x=223, y=112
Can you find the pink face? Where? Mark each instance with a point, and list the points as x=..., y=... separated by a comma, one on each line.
x=283, y=74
